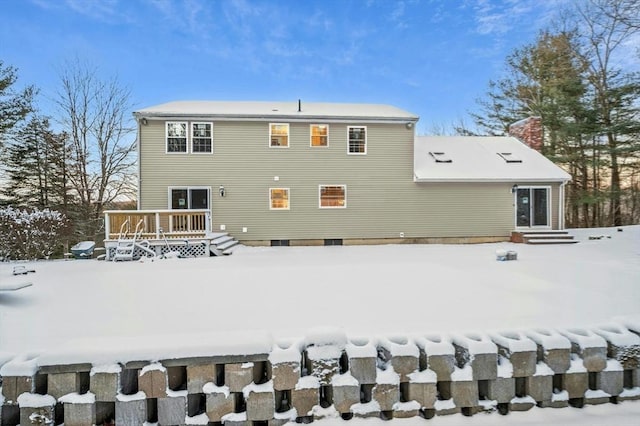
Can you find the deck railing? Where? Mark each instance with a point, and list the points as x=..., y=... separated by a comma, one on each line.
x=157, y=224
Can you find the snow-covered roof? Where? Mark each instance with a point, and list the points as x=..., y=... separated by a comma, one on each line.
x=277, y=110
x=481, y=159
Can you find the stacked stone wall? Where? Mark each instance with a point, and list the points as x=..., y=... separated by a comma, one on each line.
x=330, y=375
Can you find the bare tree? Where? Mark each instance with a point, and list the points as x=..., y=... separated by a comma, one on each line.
x=95, y=114
x=605, y=30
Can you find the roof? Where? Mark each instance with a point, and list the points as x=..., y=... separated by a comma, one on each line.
x=481, y=159
x=276, y=110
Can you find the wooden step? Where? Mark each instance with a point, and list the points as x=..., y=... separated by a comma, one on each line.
x=526, y=237
x=551, y=241
x=542, y=237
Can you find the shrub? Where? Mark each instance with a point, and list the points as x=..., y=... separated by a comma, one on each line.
x=30, y=233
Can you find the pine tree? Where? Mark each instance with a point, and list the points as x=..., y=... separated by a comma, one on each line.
x=35, y=167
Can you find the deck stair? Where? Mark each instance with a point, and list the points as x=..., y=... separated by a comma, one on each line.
x=542, y=237
x=127, y=243
x=221, y=243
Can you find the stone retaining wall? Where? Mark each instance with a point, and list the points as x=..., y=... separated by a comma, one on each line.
x=329, y=375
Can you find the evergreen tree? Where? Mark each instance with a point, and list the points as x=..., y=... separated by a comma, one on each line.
x=35, y=167
x=14, y=105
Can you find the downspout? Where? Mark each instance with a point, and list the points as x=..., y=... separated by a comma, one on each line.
x=139, y=173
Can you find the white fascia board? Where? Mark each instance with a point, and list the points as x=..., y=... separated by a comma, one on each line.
x=272, y=118
x=486, y=180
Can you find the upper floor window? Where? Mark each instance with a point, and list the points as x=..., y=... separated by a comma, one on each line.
x=319, y=135
x=279, y=135
x=357, y=140
x=333, y=196
x=176, y=136
x=201, y=137
x=279, y=198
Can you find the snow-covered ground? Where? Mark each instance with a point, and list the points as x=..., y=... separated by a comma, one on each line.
x=285, y=291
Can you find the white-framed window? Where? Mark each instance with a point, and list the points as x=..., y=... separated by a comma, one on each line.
x=319, y=135
x=332, y=196
x=279, y=135
x=176, y=136
x=189, y=197
x=357, y=140
x=279, y=198
x=201, y=138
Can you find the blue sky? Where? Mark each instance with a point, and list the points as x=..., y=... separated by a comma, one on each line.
x=430, y=57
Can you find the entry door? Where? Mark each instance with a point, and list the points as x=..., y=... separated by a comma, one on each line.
x=532, y=207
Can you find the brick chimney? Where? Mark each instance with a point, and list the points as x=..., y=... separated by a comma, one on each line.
x=529, y=131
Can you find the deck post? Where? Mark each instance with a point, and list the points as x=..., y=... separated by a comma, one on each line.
x=207, y=224
x=157, y=225
x=107, y=226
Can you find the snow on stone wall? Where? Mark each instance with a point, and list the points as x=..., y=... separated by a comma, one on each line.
x=326, y=374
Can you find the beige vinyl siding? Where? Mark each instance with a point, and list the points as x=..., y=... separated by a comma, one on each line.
x=382, y=199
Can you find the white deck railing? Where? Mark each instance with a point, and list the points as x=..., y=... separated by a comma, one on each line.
x=158, y=224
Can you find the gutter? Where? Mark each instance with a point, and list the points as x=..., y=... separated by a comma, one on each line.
x=272, y=118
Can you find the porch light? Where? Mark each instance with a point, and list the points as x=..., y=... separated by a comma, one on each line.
x=514, y=188
x=221, y=190
x=144, y=121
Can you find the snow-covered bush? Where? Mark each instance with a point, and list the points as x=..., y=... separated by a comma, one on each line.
x=30, y=233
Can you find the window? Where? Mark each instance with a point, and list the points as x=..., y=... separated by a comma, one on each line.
x=319, y=135
x=357, y=140
x=333, y=196
x=189, y=198
x=440, y=157
x=278, y=135
x=510, y=157
x=279, y=198
x=201, y=138
x=176, y=136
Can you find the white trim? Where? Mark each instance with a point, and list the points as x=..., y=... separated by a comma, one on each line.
x=188, y=188
x=561, y=206
x=320, y=206
x=549, y=224
x=311, y=135
x=190, y=140
x=166, y=137
x=288, y=199
x=288, y=135
x=138, y=148
x=366, y=134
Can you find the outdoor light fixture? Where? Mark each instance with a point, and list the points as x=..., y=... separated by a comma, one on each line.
x=409, y=125
x=514, y=188
x=221, y=189
x=144, y=121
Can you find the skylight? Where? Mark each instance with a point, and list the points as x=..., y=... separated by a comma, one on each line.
x=510, y=157
x=440, y=157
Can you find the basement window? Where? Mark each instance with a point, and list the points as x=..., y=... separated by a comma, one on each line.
x=440, y=157
x=510, y=157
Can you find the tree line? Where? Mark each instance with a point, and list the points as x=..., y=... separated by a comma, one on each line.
x=78, y=161
x=575, y=77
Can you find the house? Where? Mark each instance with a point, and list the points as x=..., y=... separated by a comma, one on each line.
x=280, y=173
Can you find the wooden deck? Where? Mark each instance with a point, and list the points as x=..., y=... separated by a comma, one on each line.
x=157, y=224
